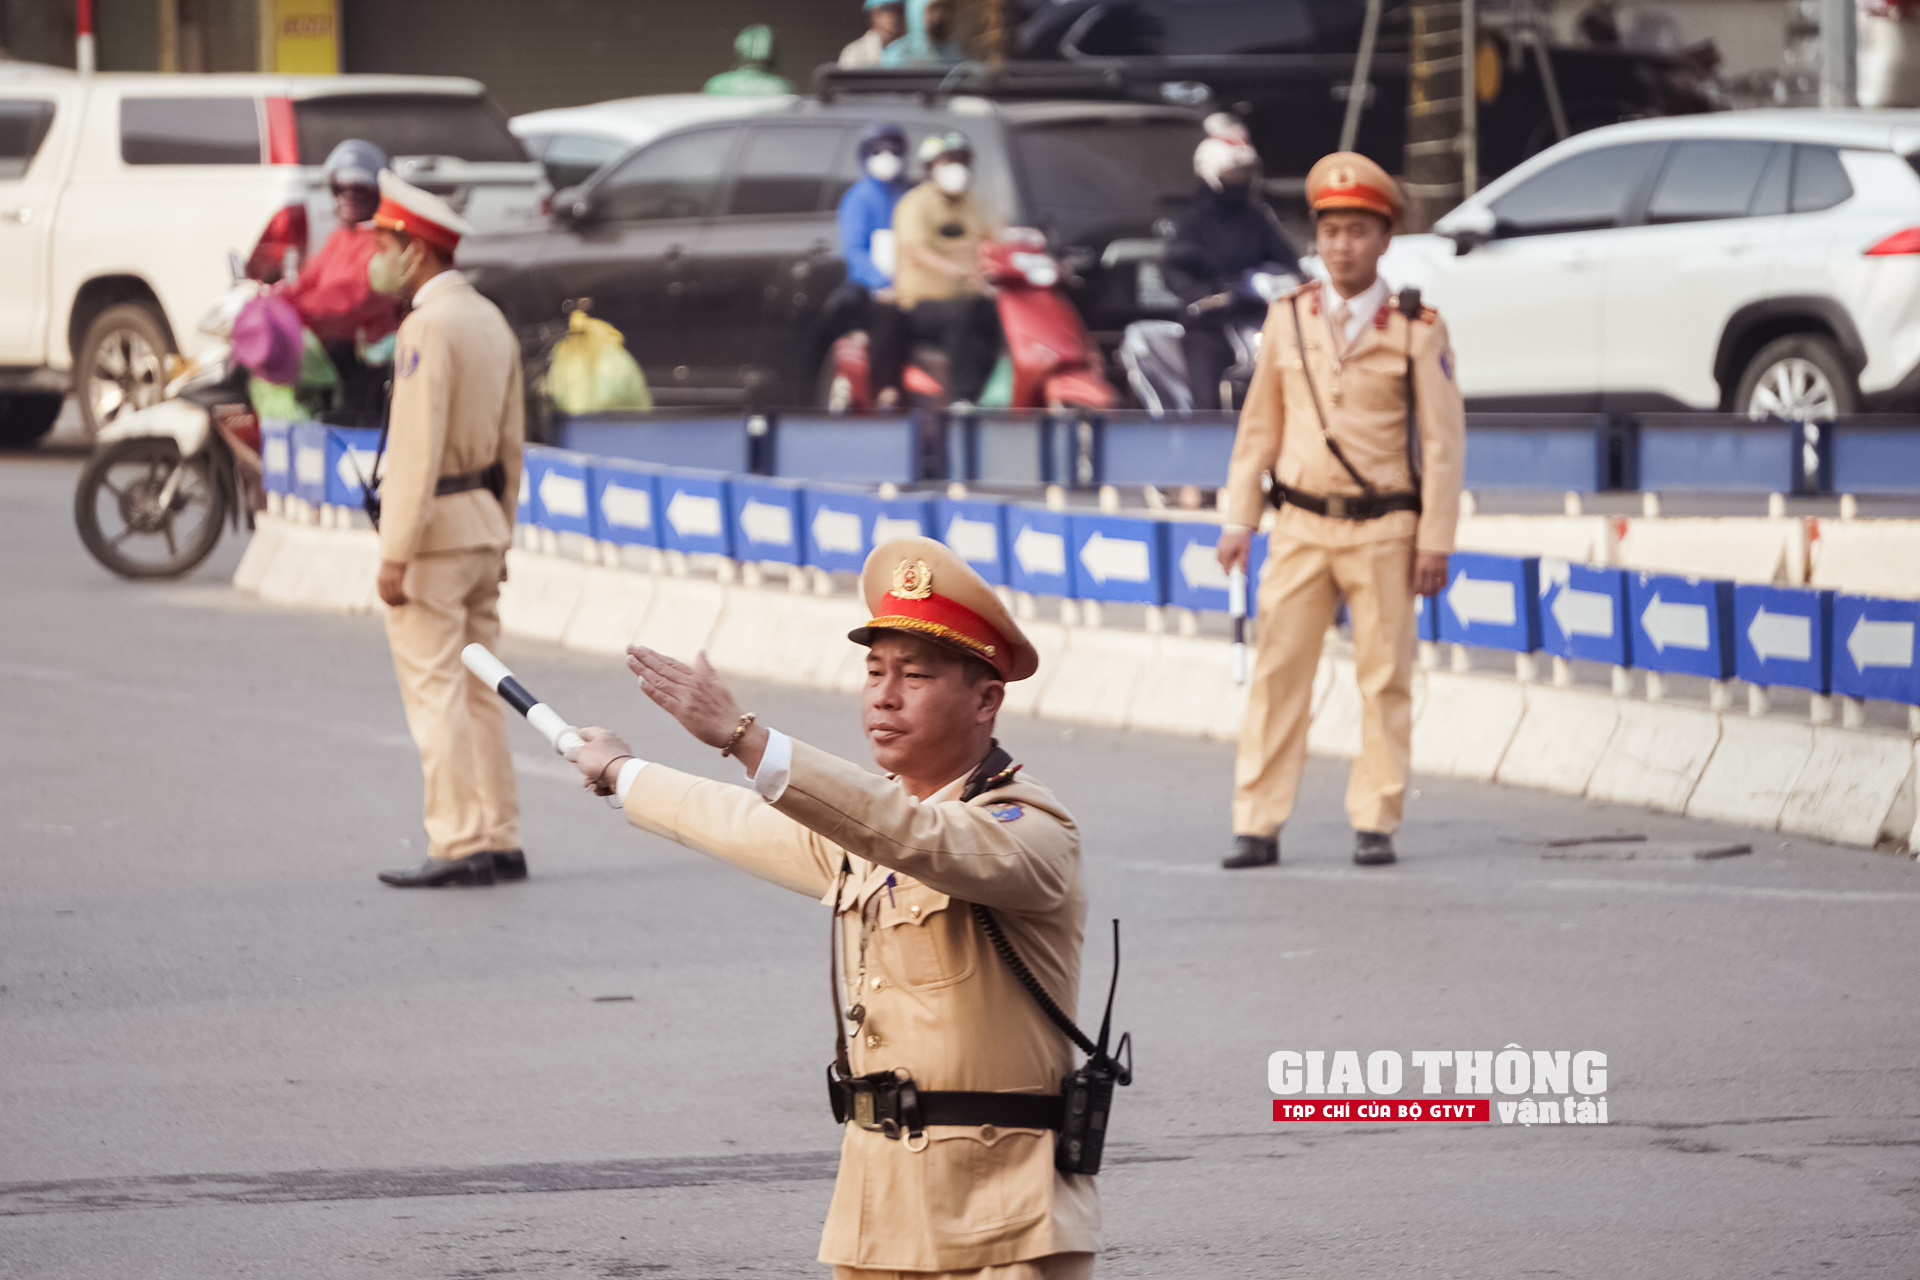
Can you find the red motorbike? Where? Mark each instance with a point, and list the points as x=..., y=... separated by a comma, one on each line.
x=1056, y=363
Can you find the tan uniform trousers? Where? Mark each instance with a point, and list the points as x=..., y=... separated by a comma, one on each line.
x=453, y=599
x=1055, y=1266
x=1299, y=591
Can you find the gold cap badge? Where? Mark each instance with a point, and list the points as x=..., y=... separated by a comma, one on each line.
x=912, y=580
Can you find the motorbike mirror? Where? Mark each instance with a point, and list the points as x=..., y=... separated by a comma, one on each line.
x=1468, y=229
x=573, y=206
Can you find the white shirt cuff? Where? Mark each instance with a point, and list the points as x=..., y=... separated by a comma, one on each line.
x=776, y=765
x=628, y=772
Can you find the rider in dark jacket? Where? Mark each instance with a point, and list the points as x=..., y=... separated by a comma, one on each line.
x=1224, y=232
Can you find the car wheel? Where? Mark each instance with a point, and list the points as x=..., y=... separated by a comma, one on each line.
x=1800, y=378
x=25, y=418
x=122, y=363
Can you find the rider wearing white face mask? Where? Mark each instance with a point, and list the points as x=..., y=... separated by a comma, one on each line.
x=938, y=229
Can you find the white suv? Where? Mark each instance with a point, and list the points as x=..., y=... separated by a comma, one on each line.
x=1760, y=262
x=122, y=197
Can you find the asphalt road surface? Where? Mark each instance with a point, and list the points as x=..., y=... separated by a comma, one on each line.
x=225, y=1050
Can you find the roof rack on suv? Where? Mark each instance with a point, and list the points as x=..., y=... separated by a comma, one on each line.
x=1135, y=82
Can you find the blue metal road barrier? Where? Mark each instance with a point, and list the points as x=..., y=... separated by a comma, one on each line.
x=848, y=449
x=1136, y=448
x=713, y=442
x=625, y=502
x=1724, y=452
x=310, y=462
x=1874, y=654
x=1577, y=451
x=350, y=457
x=557, y=490
x=1491, y=601
x=976, y=529
x=1873, y=455
x=840, y=526
x=1426, y=618
x=694, y=511
x=1681, y=624
x=1195, y=579
x=276, y=455
x=1783, y=636
x=765, y=515
x=1583, y=613
x=1039, y=557
x=1118, y=558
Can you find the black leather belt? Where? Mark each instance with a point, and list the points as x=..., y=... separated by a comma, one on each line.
x=890, y=1103
x=1366, y=506
x=492, y=477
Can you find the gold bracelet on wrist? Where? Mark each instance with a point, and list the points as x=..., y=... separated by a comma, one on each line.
x=740, y=731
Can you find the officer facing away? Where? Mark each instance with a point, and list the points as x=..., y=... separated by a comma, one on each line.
x=1355, y=421
x=948, y=1072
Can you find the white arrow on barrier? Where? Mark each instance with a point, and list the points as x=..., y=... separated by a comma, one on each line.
x=837, y=531
x=1583, y=613
x=626, y=508
x=563, y=495
x=1041, y=554
x=1200, y=568
x=354, y=466
x=1482, y=601
x=1780, y=635
x=275, y=454
x=767, y=523
x=886, y=528
x=310, y=466
x=1122, y=559
x=1683, y=626
x=1880, y=644
x=976, y=541
x=526, y=487
x=694, y=516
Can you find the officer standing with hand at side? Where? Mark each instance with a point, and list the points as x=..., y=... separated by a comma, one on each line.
x=448, y=490
x=1355, y=413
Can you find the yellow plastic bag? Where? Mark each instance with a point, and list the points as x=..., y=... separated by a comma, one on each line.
x=592, y=372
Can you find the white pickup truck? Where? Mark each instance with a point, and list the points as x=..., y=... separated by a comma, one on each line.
x=123, y=197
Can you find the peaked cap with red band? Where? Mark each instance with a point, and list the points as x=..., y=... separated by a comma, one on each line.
x=405, y=207
x=1347, y=180
x=921, y=587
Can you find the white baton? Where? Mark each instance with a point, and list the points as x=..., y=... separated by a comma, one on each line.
x=1237, y=610
x=495, y=675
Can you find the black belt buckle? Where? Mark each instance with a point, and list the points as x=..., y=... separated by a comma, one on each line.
x=886, y=1102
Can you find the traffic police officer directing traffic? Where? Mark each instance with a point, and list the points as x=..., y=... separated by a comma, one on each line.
x=447, y=493
x=1354, y=428
x=948, y=1069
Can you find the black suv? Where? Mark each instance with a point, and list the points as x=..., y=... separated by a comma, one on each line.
x=713, y=248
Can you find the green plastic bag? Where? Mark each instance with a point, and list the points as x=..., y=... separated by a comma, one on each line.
x=592, y=372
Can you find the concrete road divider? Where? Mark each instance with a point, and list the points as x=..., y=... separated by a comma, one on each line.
x=1560, y=739
x=1050, y=640
x=610, y=610
x=1740, y=549
x=1867, y=557
x=1466, y=724
x=1752, y=772
x=680, y=621
x=1190, y=691
x=256, y=562
x=1656, y=755
x=539, y=594
x=1577, y=539
x=1856, y=787
x=1100, y=675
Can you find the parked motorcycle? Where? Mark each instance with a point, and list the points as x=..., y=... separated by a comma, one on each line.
x=165, y=478
x=1056, y=363
x=1155, y=360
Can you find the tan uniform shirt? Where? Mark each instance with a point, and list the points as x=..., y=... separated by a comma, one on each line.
x=457, y=407
x=1362, y=391
x=950, y=229
x=940, y=1002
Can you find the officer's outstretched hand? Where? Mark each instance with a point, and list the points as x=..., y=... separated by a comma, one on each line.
x=1429, y=576
x=601, y=750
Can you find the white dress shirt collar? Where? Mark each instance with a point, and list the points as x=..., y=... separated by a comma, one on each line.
x=1361, y=308
x=445, y=280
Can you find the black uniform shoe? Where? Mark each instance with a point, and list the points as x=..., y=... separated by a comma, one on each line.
x=1372, y=848
x=435, y=872
x=1253, y=851
x=509, y=864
